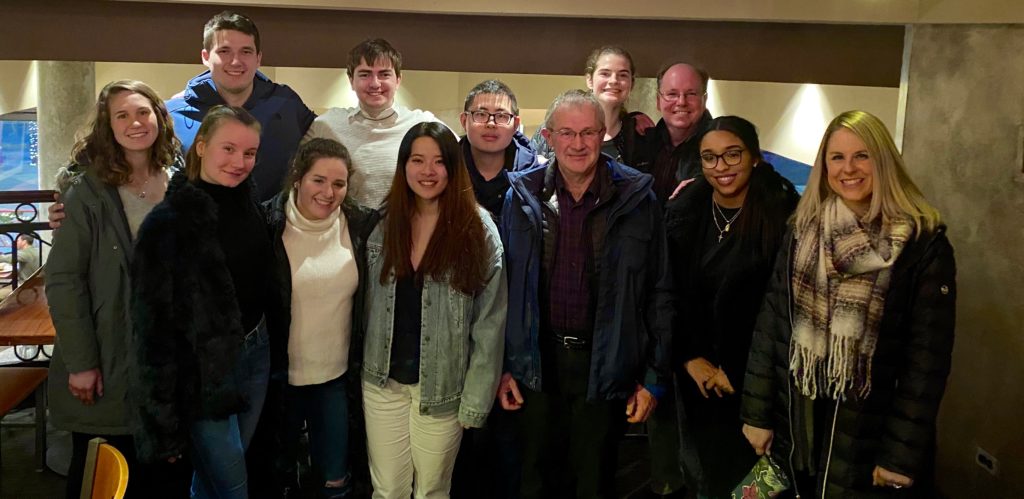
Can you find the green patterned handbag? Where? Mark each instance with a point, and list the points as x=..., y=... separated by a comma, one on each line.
x=765, y=481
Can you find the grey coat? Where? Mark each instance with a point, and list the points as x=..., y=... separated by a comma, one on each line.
x=87, y=286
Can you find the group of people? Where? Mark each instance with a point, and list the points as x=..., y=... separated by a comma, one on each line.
x=482, y=317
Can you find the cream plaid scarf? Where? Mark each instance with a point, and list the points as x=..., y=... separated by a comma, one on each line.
x=840, y=279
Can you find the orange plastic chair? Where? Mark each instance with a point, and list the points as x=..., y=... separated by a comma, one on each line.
x=106, y=472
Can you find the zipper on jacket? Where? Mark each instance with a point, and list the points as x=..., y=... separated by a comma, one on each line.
x=789, y=386
x=828, y=458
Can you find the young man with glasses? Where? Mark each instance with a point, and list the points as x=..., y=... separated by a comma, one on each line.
x=669, y=152
x=589, y=317
x=373, y=130
x=493, y=145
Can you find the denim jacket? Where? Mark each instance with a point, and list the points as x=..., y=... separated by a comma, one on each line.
x=462, y=337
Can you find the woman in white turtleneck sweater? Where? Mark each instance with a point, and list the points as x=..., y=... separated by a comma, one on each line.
x=319, y=242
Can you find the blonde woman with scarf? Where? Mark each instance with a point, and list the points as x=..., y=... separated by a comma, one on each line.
x=852, y=347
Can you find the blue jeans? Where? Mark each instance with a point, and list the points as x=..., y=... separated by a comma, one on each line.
x=325, y=408
x=218, y=445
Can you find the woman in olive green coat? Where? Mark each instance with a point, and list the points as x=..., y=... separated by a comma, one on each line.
x=125, y=154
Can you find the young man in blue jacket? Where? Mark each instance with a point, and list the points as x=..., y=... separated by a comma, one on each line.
x=589, y=320
x=493, y=145
x=231, y=51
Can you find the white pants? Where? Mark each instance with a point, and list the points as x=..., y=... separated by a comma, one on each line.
x=405, y=447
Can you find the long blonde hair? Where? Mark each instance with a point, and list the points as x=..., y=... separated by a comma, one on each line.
x=894, y=194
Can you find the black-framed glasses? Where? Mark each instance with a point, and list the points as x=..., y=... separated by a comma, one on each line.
x=500, y=118
x=732, y=157
x=570, y=135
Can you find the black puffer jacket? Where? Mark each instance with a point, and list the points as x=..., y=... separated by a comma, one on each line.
x=894, y=427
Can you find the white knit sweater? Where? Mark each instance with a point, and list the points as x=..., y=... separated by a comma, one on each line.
x=372, y=143
x=324, y=281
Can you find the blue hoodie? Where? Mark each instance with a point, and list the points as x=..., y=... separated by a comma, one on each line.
x=279, y=110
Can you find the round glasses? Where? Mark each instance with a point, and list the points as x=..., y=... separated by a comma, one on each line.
x=732, y=157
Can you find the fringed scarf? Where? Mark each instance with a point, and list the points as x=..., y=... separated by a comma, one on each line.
x=840, y=278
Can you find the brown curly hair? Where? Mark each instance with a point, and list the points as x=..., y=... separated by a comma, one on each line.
x=98, y=149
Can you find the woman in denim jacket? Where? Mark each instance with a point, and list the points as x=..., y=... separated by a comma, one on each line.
x=435, y=310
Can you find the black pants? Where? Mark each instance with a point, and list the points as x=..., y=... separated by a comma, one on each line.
x=489, y=462
x=157, y=480
x=570, y=444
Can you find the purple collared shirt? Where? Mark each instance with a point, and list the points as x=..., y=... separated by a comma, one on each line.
x=570, y=287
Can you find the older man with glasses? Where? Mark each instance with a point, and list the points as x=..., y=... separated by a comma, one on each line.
x=669, y=152
x=589, y=309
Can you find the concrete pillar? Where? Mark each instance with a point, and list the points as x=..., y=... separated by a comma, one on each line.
x=964, y=146
x=67, y=92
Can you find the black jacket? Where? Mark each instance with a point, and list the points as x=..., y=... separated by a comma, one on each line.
x=719, y=290
x=894, y=427
x=187, y=323
x=669, y=165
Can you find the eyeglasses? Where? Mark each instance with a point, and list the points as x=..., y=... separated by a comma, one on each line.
x=484, y=117
x=570, y=135
x=673, y=96
x=732, y=157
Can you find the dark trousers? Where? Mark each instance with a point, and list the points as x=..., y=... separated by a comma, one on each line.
x=324, y=407
x=570, y=444
x=489, y=460
x=157, y=480
x=663, y=437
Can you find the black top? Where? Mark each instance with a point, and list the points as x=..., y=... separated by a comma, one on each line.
x=246, y=244
x=490, y=193
x=405, y=343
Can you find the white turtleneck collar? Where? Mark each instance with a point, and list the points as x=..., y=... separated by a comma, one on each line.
x=296, y=219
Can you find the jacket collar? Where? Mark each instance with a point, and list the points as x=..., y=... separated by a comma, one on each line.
x=201, y=91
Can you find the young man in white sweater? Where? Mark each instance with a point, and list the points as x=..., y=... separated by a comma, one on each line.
x=373, y=130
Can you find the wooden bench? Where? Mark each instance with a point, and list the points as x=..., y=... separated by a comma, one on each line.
x=16, y=384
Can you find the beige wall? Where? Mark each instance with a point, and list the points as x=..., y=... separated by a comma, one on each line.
x=18, y=85
x=790, y=117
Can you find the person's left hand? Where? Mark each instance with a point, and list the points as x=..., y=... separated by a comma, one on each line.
x=719, y=382
x=882, y=477
x=640, y=405
x=643, y=122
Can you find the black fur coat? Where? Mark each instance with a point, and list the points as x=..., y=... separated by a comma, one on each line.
x=187, y=324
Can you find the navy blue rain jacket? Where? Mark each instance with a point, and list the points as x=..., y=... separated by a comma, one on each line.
x=279, y=110
x=633, y=312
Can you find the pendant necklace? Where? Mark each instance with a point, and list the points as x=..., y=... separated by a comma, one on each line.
x=715, y=212
x=142, y=188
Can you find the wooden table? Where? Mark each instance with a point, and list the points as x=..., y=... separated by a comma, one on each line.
x=25, y=315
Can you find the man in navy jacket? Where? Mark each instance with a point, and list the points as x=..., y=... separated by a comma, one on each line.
x=589, y=319
x=231, y=51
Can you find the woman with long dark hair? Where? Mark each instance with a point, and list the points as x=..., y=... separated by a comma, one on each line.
x=724, y=232
x=123, y=162
x=852, y=347
x=201, y=285
x=435, y=311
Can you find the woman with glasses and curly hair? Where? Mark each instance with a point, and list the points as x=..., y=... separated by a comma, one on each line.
x=852, y=347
